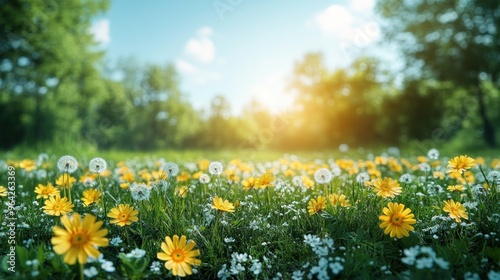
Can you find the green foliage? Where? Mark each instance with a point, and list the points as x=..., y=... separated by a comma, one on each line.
x=133, y=267
x=455, y=42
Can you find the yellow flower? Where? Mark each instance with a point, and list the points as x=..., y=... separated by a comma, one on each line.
x=386, y=187
x=123, y=215
x=3, y=191
x=181, y=191
x=183, y=177
x=197, y=175
x=91, y=196
x=307, y=182
x=57, y=206
x=249, y=183
x=27, y=164
x=438, y=175
x=265, y=181
x=456, y=188
x=179, y=255
x=339, y=199
x=46, y=191
x=460, y=164
x=79, y=238
x=223, y=206
x=316, y=205
x=397, y=220
x=455, y=209
x=65, y=180
x=203, y=164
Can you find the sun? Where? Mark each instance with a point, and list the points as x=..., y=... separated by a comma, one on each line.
x=272, y=95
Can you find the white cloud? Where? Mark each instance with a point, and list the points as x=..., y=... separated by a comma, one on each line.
x=349, y=25
x=100, y=30
x=195, y=75
x=335, y=19
x=201, y=47
x=205, y=77
x=185, y=67
x=362, y=6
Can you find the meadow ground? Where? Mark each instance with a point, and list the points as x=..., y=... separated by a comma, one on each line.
x=264, y=215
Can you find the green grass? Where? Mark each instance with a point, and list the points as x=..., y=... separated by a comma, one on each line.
x=269, y=225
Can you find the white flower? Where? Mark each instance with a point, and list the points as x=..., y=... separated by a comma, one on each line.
x=204, y=178
x=336, y=267
x=136, y=253
x=237, y=268
x=425, y=167
x=67, y=164
x=241, y=258
x=424, y=263
x=343, y=148
x=433, y=154
x=323, y=176
x=116, y=241
x=494, y=177
x=411, y=255
x=471, y=276
x=97, y=165
x=108, y=266
x=90, y=272
x=298, y=275
x=406, y=178
x=215, y=168
x=223, y=273
x=171, y=168
x=229, y=240
x=362, y=177
x=442, y=263
x=256, y=267
x=140, y=192
x=312, y=240
x=155, y=266
x=493, y=275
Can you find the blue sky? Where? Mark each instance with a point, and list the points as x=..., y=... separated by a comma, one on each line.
x=241, y=49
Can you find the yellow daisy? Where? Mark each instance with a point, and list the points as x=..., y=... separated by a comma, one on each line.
x=455, y=210
x=316, y=205
x=386, y=187
x=123, y=215
x=79, y=238
x=397, y=220
x=179, y=255
x=223, y=206
x=57, y=206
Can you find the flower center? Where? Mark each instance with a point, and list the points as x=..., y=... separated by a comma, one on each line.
x=123, y=217
x=79, y=239
x=397, y=219
x=178, y=255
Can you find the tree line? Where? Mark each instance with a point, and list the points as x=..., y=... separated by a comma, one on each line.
x=56, y=87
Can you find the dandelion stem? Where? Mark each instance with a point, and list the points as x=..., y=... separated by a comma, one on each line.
x=81, y=271
x=103, y=197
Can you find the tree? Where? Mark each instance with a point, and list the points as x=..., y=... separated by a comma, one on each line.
x=48, y=69
x=449, y=41
x=339, y=106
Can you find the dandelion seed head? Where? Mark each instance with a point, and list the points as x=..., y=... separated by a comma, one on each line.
x=215, y=168
x=97, y=165
x=67, y=164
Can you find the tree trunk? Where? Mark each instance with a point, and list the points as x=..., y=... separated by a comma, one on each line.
x=489, y=131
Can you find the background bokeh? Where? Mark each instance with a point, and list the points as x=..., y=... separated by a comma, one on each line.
x=235, y=74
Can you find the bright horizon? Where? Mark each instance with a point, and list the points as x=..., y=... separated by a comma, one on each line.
x=243, y=51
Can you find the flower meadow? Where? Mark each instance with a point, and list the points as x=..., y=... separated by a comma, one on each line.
x=377, y=217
